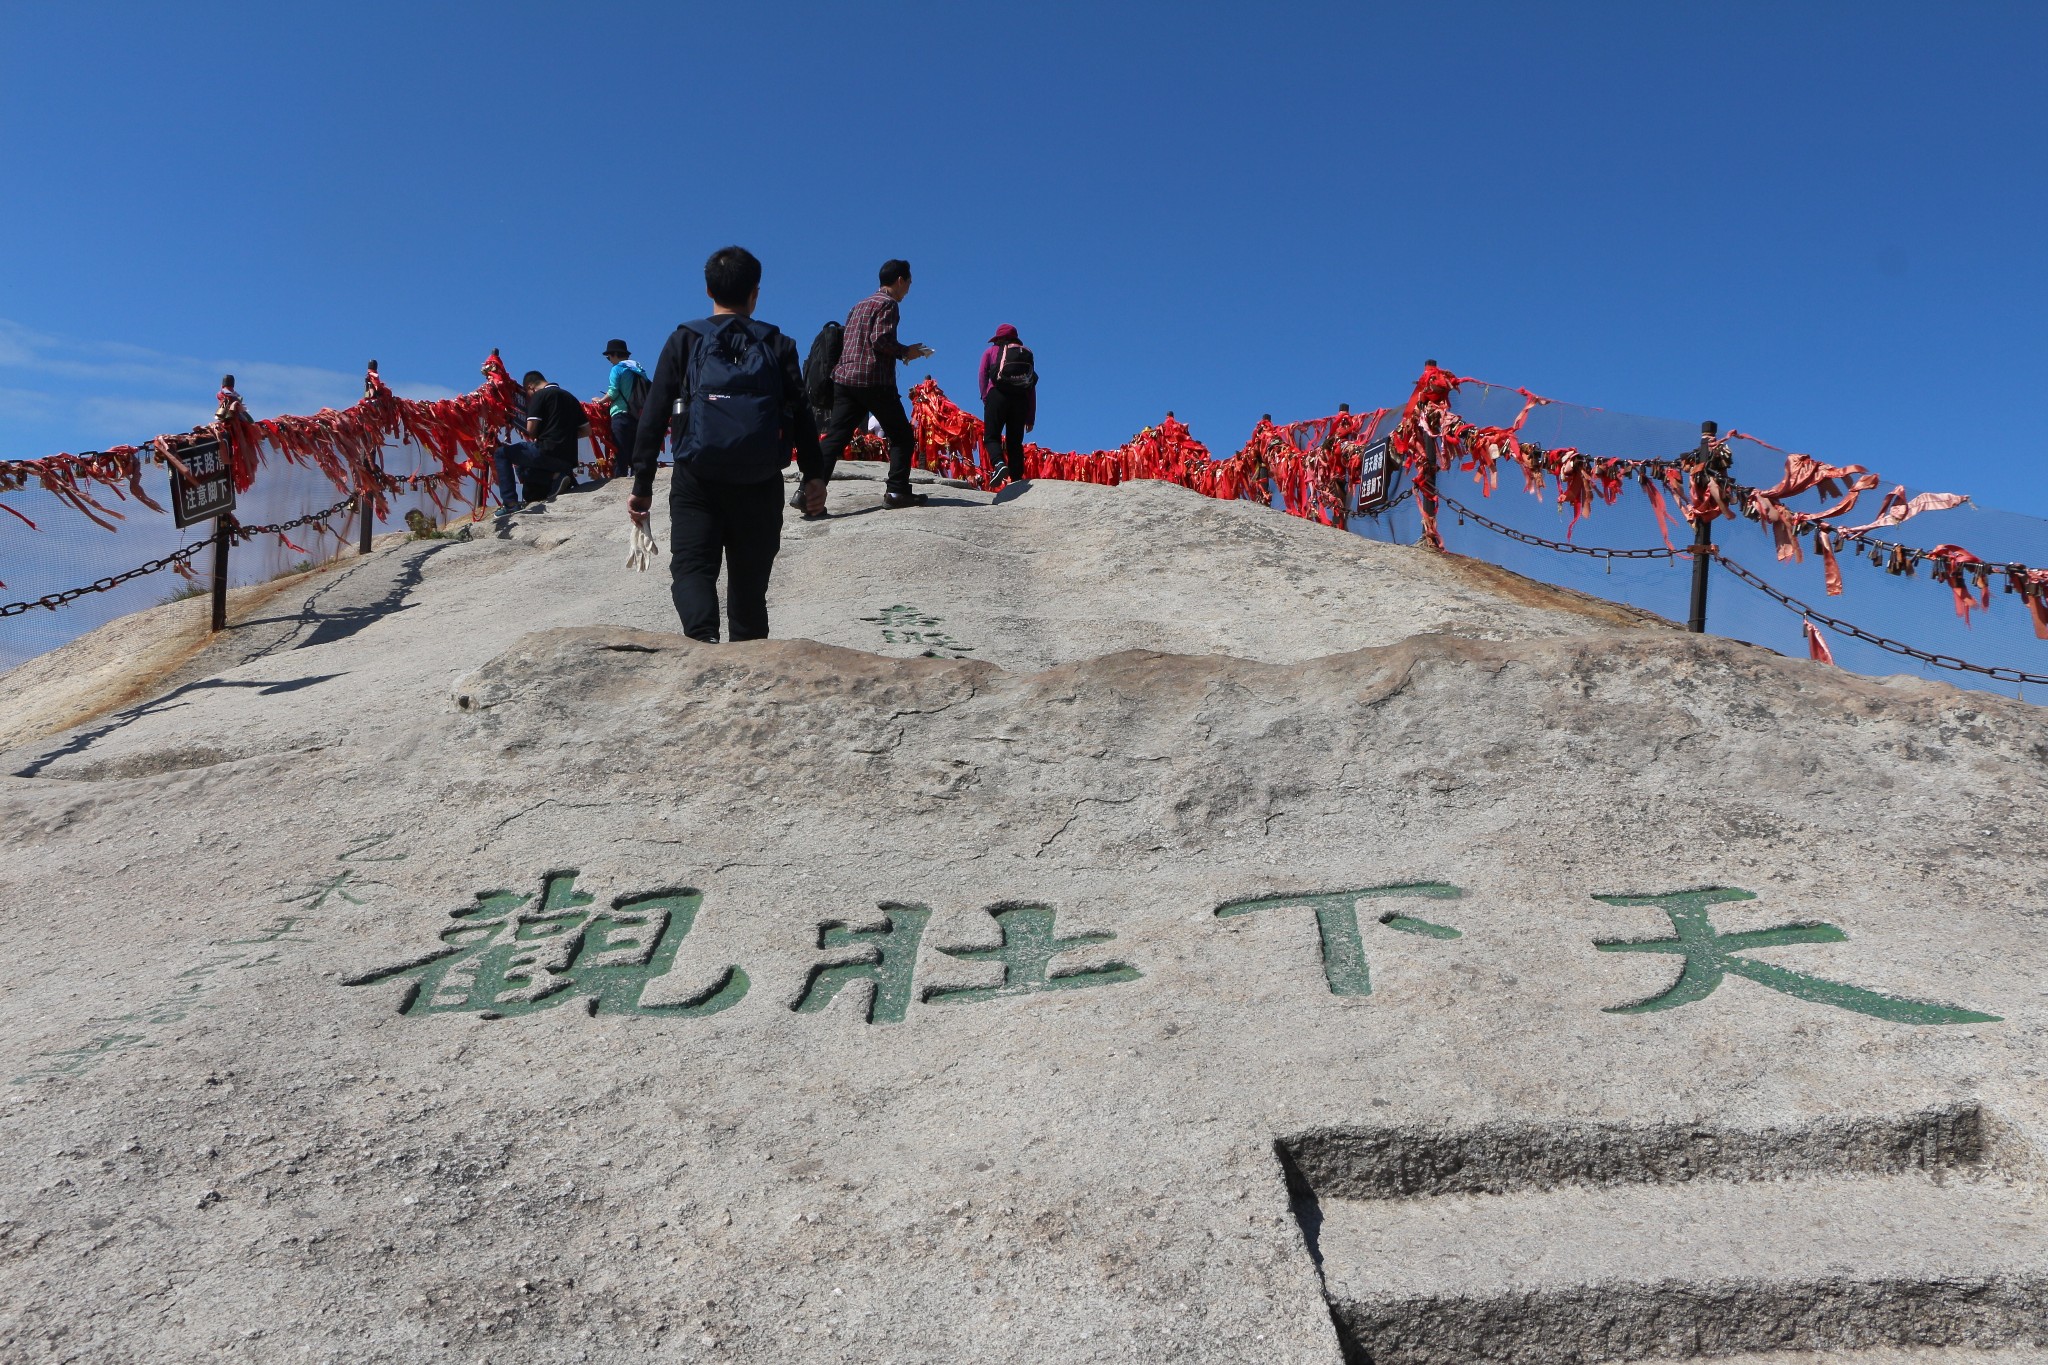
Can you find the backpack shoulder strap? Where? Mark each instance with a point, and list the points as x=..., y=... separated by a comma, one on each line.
x=686, y=390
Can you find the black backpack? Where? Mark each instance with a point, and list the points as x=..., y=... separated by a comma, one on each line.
x=819, y=364
x=1014, y=371
x=728, y=422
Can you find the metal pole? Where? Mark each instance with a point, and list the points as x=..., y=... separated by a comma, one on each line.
x=365, y=509
x=221, y=538
x=1709, y=462
x=1425, y=477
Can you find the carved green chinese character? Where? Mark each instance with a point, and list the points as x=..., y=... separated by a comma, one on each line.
x=360, y=853
x=1026, y=953
x=1344, y=964
x=906, y=625
x=1710, y=955
x=501, y=960
x=887, y=963
x=318, y=893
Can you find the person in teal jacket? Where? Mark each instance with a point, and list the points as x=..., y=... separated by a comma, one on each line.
x=623, y=394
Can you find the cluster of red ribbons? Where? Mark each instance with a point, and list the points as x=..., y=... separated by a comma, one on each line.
x=1313, y=466
x=347, y=446
x=1432, y=439
x=71, y=477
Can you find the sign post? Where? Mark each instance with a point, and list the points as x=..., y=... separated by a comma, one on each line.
x=221, y=536
x=1375, y=477
x=203, y=486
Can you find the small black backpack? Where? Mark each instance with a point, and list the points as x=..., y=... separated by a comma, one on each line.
x=819, y=364
x=1014, y=370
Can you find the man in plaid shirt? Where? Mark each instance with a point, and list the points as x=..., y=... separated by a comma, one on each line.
x=864, y=383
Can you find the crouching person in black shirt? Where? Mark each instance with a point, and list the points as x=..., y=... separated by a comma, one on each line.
x=545, y=462
x=733, y=394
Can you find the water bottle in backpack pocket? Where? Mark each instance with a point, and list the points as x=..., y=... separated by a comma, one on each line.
x=728, y=423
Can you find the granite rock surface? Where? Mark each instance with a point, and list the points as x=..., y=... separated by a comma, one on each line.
x=1103, y=925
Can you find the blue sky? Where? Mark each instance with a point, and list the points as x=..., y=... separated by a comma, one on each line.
x=1818, y=222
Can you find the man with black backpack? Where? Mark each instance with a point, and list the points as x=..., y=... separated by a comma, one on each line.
x=735, y=399
x=624, y=393
x=818, y=367
x=864, y=383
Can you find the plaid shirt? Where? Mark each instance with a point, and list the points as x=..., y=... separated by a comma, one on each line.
x=868, y=359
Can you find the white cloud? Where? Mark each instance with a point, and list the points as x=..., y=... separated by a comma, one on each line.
x=426, y=393
x=122, y=392
x=145, y=415
x=29, y=405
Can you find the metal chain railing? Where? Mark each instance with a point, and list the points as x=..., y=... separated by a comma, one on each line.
x=1390, y=504
x=323, y=516
x=1948, y=661
x=1595, y=551
x=51, y=601
x=54, y=600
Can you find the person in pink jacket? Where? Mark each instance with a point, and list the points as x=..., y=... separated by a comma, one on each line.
x=1009, y=402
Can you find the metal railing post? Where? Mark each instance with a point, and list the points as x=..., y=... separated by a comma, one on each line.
x=222, y=535
x=1425, y=477
x=1711, y=465
x=366, y=510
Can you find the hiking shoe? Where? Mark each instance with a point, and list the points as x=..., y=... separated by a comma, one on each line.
x=896, y=502
x=796, y=500
x=999, y=483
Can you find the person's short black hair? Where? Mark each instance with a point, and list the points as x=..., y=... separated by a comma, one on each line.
x=893, y=271
x=534, y=377
x=732, y=275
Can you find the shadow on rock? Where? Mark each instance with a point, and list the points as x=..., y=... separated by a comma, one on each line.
x=169, y=701
x=330, y=625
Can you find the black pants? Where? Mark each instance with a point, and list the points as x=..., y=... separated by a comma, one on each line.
x=850, y=410
x=525, y=475
x=625, y=431
x=740, y=523
x=1002, y=431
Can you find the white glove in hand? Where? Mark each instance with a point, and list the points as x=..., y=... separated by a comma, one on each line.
x=644, y=549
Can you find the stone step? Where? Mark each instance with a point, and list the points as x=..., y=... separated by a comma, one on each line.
x=1677, y=1271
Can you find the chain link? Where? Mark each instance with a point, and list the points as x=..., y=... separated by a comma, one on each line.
x=323, y=516
x=52, y=601
x=1948, y=661
x=1595, y=551
x=1389, y=505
